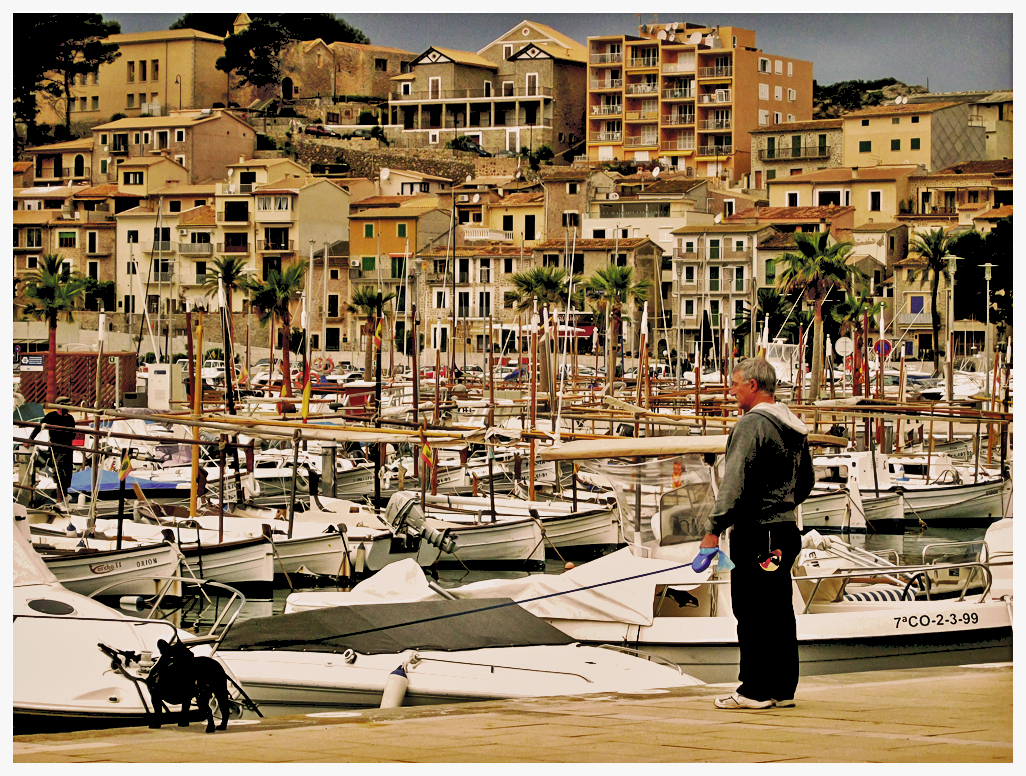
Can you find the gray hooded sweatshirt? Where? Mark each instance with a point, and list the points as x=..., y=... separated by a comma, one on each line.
x=767, y=469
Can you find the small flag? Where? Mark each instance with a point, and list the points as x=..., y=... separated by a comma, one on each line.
x=377, y=334
x=425, y=453
x=244, y=376
x=126, y=467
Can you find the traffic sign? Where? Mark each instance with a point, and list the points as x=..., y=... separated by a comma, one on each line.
x=844, y=346
x=882, y=348
x=112, y=359
x=31, y=363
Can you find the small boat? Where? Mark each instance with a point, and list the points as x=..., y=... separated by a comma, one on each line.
x=447, y=651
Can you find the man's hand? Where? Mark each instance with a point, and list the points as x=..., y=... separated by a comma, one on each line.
x=710, y=540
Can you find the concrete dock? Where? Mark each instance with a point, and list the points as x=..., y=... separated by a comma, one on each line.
x=923, y=715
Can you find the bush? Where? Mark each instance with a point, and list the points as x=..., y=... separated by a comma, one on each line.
x=366, y=117
x=150, y=358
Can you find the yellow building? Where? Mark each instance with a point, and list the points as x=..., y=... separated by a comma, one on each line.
x=877, y=193
x=156, y=72
x=690, y=95
x=520, y=217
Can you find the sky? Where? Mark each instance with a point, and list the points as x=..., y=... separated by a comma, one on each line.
x=947, y=52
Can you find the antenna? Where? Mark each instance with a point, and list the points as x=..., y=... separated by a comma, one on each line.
x=385, y=172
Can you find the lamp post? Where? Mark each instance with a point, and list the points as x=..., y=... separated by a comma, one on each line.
x=178, y=80
x=678, y=270
x=986, y=332
x=951, y=326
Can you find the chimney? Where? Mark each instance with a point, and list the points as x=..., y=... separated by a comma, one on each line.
x=854, y=172
x=242, y=158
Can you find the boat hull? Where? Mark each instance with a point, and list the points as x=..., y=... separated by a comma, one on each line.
x=956, y=506
x=133, y=569
x=503, y=542
x=248, y=560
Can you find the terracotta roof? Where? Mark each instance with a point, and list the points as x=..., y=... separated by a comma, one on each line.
x=882, y=226
x=462, y=57
x=139, y=37
x=371, y=47
x=986, y=167
x=81, y=144
x=45, y=192
x=420, y=175
x=732, y=228
x=1004, y=211
x=556, y=35
x=556, y=51
x=198, y=216
x=606, y=244
x=524, y=199
x=378, y=201
x=827, y=212
x=799, y=126
x=778, y=240
x=148, y=161
x=482, y=249
x=908, y=108
x=103, y=191
x=846, y=174
x=671, y=185
x=23, y=166
x=174, y=120
x=564, y=174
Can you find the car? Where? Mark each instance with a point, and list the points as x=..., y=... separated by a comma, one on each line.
x=507, y=154
x=319, y=130
x=366, y=133
x=464, y=143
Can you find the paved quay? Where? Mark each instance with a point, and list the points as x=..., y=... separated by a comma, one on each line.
x=922, y=715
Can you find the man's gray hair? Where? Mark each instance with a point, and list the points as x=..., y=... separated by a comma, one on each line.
x=760, y=370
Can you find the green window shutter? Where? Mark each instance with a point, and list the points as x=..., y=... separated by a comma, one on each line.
x=368, y=230
x=914, y=144
x=865, y=146
x=368, y=263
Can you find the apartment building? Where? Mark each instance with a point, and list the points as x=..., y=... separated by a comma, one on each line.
x=992, y=109
x=876, y=193
x=689, y=95
x=956, y=195
x=156, y=72
x=933, y=135
x=525, y=88
x=795, y=149
x=204, y=142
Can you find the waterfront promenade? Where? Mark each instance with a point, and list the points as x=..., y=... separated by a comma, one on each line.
x=924, y=715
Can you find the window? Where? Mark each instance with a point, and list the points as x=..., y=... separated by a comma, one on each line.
x=331, y=338
x=135, y=138
x=367, y=263
x=777, y=118
x=914, y=144
x=865, y=146
x=551, y=260
x=180, y=159
x=439, y=300
x=571, y=188
x=142, y=69
x=764, y=118
x=896, y=144
x=132, y=178
x=689, y=274
x=103, y=138
x=508, y=266
x=874, y=200
x=507, y=223
x=771, y=175
x=132, y=236
x=175, y=206
x=33, y=237
x=778, y=92
x=689, y=308
x=764, y=65
x=400, y=230
x=65, y=239
x=771, y=271
x=201, y=271
x=131, y=75
x=333, y=305
x=398, y=265
x=103, y=167
x=507, y=50
x=915, y=119
x=571, y=218
x=778, y=67
x=179, y=135
x=739, y=245
x=763, y=91
x=790, y=118
x=96, y=103
x=368, y=230
x=381, y=65
x=792, y=95
x=792, y=199
x=263, y=203
x=130, y=101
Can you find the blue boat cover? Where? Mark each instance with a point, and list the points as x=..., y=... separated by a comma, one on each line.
x=82, y=482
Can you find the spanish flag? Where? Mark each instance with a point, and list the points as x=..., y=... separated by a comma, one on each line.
x=377, y=334
x=244, y=376
x=306, y=391
x=126, y=467
x=426, y=455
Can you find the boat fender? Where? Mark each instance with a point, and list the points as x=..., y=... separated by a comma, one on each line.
x=349, y=656
x=395, y=689
x=361, y=556
x=137, y=602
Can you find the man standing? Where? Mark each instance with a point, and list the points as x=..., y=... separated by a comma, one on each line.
x=767, y=473
x=61, y=429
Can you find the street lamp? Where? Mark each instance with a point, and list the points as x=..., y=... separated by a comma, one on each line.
x=178, y=80
x=986, y=332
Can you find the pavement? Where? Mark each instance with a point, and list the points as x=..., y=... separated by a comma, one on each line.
x=922, y=715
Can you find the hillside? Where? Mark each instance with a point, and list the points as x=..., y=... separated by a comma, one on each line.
x=846, y=96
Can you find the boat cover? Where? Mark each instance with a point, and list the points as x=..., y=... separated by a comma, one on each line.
x=82, y=482
x=373, y=629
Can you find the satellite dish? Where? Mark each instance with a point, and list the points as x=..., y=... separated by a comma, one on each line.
x=613, y=195
x=717, y=218
x=671, y=37
x=668, y=27
x=517, y=176
x=230, y=171
x=695, y=38
x=661, y=34
x=477, y=198
x=676, y=25
x=655, y=171
x=904, y=99
x=385, y=172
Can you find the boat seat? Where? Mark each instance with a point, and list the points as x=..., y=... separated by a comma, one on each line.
x=879, y=593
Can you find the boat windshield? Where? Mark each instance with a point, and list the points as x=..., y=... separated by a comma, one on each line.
x=663, y=501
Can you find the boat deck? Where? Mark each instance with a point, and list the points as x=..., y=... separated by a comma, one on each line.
x=950, y=714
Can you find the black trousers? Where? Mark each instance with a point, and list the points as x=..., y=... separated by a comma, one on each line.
x=761, y=601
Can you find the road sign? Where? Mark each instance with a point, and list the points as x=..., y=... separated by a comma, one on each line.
x=17, y=348
x=112, y=359
x=882, y=348
x=31, y=363
x=844, y=346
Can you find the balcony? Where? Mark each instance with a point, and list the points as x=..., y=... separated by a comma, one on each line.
x=159, y=246
x=276, y=246
x=641, y=142
x=487, y=234
x=920, y=319
x=161, y=277
x=442, y=95
x=438, y=278
x=684, y=253
x=681, y=144
x=678, y=120
x=720, y=150
x=607, y=59
x=607, y=110
x=645, y=88
x=716, y=72
x=612, y=83
x=711, y=125
x=642, y=115
x=71, y=172
x=676, y=67
x=607, y=137
x=645, y=61
x=678, y=94
x=802, y=152
x=196, y=249
x=232, y=248
x=719, y=96
x=233, y=218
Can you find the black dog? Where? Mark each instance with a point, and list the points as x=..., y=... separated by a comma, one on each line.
x=178, y=676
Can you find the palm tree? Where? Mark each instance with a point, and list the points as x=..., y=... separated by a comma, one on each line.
x=53, y=290
x=272, y=298
x=768, y=302
x=851, y=313
x=231, y=271
x=934, y=248
x=545, y=286
x=616, y=285
x=815, y=270
x=365, y=302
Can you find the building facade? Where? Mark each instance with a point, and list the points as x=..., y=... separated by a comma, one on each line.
x=795, y=149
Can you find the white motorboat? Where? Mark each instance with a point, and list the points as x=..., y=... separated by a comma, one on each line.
x=879, y=511
x=648, y=597
x=62, y=678
x=448, y=651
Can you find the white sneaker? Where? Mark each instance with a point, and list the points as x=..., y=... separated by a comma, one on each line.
x=784, y=704
x=738, y=701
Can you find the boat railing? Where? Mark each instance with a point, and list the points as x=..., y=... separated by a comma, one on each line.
x=642, y=654
x=223, y=621
x=981, y=543
x=912, y=573
x=417, y=658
